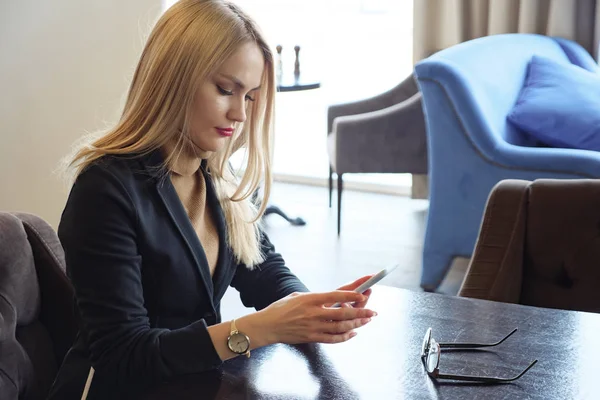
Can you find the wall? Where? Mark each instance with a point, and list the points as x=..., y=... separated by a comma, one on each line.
x=65, y=67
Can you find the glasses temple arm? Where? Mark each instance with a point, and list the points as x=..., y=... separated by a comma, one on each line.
x=474, y=345
x=484, y=378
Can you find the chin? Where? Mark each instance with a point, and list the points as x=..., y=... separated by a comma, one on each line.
x=212, y=145
x=215, y=146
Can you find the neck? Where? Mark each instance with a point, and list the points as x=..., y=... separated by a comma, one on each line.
x=187, y=159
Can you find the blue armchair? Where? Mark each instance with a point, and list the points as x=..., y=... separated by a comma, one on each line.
x=468, y=90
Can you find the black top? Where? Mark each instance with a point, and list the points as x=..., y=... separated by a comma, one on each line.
x=142, y=282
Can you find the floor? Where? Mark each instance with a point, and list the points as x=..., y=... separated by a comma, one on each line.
x=377, y=231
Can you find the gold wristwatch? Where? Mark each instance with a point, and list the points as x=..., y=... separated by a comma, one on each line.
x=238, y=342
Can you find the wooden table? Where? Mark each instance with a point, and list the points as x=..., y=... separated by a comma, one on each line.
x=382, y=362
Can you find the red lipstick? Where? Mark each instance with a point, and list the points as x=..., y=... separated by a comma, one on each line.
x=226, y=132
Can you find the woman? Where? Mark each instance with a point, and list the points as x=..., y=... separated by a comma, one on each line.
x=157, y=226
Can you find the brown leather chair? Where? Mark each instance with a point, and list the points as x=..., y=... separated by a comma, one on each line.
x=37, y=318
x=539, y=244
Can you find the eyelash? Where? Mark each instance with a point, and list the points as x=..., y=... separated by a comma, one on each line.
x=228, y=93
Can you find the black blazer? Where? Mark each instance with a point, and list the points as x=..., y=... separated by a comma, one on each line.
x=143, y=287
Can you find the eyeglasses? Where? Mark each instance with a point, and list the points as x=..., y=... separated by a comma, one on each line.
x=430, y=355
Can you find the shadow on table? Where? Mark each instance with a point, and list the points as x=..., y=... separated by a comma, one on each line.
x=331, y=384
x=234, y=380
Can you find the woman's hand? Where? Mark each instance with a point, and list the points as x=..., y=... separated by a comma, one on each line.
x=354, y=285
x=305, y=318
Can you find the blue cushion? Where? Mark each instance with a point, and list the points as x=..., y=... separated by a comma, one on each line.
x=559, y=105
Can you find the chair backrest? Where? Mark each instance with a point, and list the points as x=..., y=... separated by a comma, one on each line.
x=561, y=260
x=37, y=319
x=483, y=78
x=539, y=245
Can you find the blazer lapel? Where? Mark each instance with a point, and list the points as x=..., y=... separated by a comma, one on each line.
x=224, y=260
x=176, y=211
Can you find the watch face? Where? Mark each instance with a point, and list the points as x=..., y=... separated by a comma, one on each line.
x=238, y=343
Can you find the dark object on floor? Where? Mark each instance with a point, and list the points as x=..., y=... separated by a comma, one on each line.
x=276, y=210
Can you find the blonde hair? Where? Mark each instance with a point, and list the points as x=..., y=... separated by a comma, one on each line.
x=188, y=43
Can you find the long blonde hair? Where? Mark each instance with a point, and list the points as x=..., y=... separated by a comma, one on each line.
x=188, y=43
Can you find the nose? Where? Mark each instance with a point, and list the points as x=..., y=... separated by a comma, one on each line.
x=237, y=112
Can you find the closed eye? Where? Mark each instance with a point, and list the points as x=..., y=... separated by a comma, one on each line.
x=225, y=92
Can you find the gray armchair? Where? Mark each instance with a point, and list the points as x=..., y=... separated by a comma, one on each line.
x=382, y=134
x=38, y=323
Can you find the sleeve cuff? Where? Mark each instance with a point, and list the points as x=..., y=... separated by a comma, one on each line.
x=189, y=350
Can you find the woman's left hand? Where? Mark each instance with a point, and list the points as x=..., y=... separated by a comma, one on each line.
x=354, y=285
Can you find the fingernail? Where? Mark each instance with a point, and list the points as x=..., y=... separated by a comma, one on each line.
x=375, y=314
x=353, y=334
x=366, y=320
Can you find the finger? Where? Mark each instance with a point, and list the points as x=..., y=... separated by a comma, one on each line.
x=362, y=304
x=345, y=313
x=345, y=305
x=339, y=327
x=326, y=338
x=337, y=296
x=356, y=283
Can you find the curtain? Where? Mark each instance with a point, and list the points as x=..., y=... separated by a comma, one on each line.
x=443, y=23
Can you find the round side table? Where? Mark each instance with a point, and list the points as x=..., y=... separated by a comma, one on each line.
x=294, y=83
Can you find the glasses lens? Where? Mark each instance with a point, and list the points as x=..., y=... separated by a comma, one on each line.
x=426, y=339
x=433, y=356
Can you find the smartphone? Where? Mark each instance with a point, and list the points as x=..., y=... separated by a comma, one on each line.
x=372, y=281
